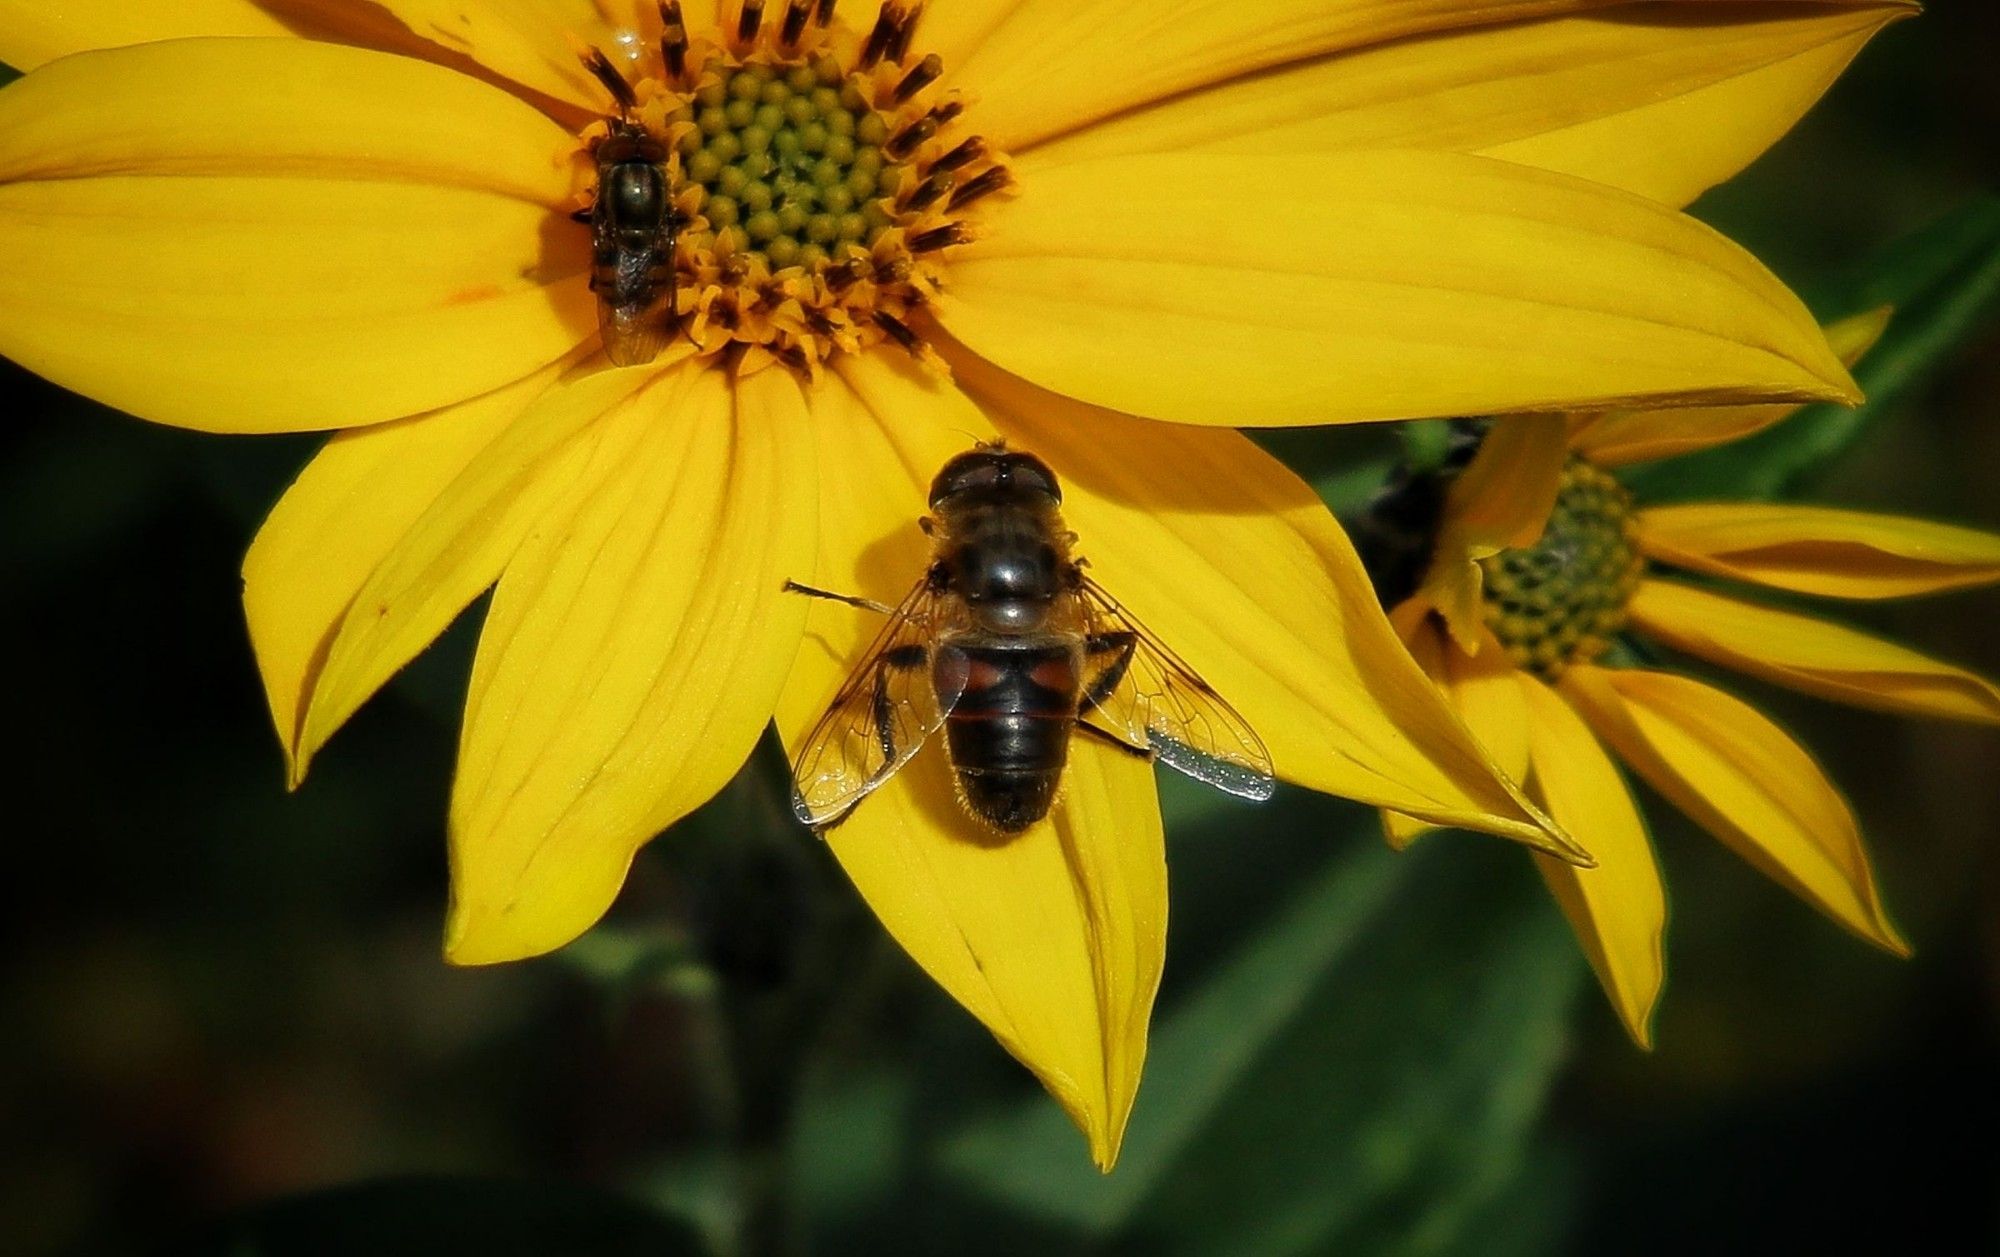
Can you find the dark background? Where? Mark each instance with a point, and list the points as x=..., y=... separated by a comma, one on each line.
x=217, y=996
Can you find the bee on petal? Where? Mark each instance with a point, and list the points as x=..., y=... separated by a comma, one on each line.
x=1008, y=646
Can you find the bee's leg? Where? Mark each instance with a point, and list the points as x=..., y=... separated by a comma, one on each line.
x=1121, y=646
x=1111, y=739
x=866, y=604
x=897, y=659
x=581, y=216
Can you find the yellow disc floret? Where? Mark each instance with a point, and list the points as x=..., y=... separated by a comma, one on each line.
x=819, y=176
x=1562, y=600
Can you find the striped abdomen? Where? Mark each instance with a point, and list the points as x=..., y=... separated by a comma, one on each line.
x=1008, y=734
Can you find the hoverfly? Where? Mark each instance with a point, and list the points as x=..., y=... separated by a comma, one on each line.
x=632, y=228
x=1010, y=647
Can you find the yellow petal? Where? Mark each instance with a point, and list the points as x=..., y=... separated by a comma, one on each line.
x=36, y=31
x=33, y=32
x=1366, y=285
x=633, y=655
x=1820, y=550
x=1236, y=563
x=1636, y=436
x=311, y=261
x=1811, y=655
x=1853, y=336
x=1043, y=67
x=1661, y=99
x=1052, y=939
x=1745, y=781
x=349, y=511
x=1501, y=501
x=428, y=560
x=1485, y=691
x=533, y=43
x=1424, y=637
x=1699, y=99
x=1622, y=437
x=1619, y=908
x=1503, y=498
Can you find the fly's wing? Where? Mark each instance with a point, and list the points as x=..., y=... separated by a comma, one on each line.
x=635, y=334
x=881, y=715
x=1144, y=693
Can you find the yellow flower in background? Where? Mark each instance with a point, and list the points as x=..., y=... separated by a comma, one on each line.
x=1084, y=217
x=1544, y=558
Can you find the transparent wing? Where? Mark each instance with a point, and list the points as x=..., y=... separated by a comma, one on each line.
x=1140, y=690
x=882, y=714
x=634, y=336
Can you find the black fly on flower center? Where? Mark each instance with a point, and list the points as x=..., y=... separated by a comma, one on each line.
x=810, y=179
x=632, y=232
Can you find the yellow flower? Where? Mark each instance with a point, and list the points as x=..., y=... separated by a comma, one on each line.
x=1543, y=558
x=1222, y=213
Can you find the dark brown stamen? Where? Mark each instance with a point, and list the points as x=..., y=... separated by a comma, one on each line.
x=748, y=22
x=824, y=14
x=906, y=26
x=894, y=271
x=732, y=355
x=969, y=151
x=905, y=141
x=795, y=23
x=673, y=38
x=819, y=323
x=989, y=181
x=880, y=38
x=925, y=194
x=924, y=74
x=939, y=238
x=947, y=111
x=792, y=356
x=725, y=315
x=898, y=331
x=844, y=276
x=600, y=66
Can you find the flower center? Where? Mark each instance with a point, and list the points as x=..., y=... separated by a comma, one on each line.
x=817, y=176
x=1562, y=600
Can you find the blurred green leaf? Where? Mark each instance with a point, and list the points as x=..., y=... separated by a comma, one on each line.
x=851, y=1142
x=1346, y=463
x=1198, y=1056
x=1379, y=1050
x=1527, y=1213
x=1944, y=283
x=1426, y=443
x=1350, y=489
x=625, y=962
x=426, y=1216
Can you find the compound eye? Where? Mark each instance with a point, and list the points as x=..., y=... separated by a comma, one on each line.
x=977, y=470
x=1028, y=472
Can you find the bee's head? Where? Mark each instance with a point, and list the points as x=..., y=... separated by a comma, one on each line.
x=628, y=142
x=993, y=468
